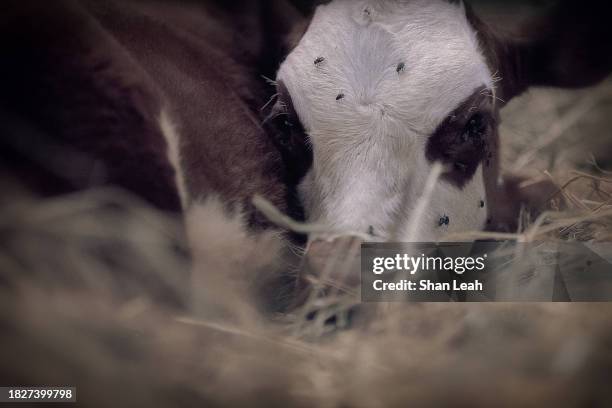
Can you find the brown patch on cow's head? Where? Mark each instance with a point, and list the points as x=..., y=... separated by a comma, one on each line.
x=463, y=140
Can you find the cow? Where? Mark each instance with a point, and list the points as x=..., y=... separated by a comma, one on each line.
x=336, y=117
x=160, y=98
x=383, y=90
x=340, y=114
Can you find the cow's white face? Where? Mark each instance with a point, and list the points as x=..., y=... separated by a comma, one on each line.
x=383, y=89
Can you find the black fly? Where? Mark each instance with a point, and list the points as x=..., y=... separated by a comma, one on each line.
x=444, y=220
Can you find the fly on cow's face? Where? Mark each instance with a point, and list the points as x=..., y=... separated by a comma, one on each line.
x=444, y=220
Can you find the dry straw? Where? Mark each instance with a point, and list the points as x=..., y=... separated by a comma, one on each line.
x=95, y=291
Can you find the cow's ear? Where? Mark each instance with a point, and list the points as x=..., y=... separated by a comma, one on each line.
x=568, y=45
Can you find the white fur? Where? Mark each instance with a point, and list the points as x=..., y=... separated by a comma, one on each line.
x=369, y=146
x=172, y=137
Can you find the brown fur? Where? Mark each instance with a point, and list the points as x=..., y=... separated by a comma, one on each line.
x=95, y=76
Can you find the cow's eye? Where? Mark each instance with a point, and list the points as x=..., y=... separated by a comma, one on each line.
x=287, y=124
x=283, y=125
x=475, y=129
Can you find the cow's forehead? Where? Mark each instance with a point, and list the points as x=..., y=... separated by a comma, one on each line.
x=408, y=62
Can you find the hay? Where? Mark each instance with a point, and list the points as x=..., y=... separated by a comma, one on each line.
x=96, y=290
